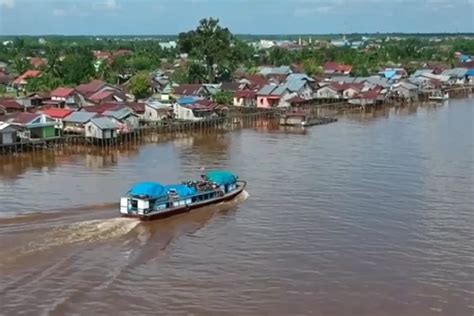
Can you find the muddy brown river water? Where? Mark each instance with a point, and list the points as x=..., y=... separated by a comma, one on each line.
x=372, y=215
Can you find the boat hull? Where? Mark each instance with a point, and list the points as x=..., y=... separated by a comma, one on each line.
x=185, y=209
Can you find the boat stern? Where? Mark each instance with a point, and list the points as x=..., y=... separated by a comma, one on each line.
x=130, y=206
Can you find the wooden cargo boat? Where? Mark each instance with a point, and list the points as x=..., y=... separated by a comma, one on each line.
x=302, y=119
x=152, y=200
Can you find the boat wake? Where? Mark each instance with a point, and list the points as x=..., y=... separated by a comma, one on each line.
x=84, y=232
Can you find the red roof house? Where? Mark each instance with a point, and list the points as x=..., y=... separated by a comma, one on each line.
x=102, y=96
x=37, y=62
x=191, y=90
x=101, y=108
x=23, y=78
x=102, y=55
x=336, y=68
x=8, y=105
x=137, y=107
x=57, y=113
x=62, y=93
x=90, y=88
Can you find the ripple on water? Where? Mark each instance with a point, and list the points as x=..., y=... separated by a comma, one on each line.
x=369, y=216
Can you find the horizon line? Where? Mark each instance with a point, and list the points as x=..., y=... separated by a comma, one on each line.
x=241, y=34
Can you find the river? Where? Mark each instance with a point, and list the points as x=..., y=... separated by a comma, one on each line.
x=372, y=215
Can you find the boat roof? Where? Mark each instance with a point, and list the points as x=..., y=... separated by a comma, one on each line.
x=150, y=189
x=221, y=177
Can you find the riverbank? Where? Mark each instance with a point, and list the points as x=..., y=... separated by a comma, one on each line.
x=318, y=109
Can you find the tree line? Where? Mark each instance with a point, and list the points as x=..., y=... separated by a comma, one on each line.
x=214, y=54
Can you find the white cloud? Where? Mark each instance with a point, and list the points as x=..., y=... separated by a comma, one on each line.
x=109, y=5
x=74, y=10
x=59, y=12
x=7, y=3
x=304, y=12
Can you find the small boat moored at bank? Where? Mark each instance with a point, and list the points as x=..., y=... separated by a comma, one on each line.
x=152, y=200
x=301, y=118
x=439, y=97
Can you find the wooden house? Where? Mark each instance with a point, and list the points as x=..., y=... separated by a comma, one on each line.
x=65, y=97
x=156, y=111
x=101, y=128
x=124, y=117
x=333, y=69
x=21, y=81
x=265, y=98
x=35, y=125
x=75, y=122
x=8, y=106
x=406, y=90
x=8, y=133
x=197, y=90
x=245, y=98
x=330, y=91
x=58, y=115
x=100, y=92
x=194, y=112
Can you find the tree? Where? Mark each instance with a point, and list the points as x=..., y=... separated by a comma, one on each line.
x=196, y=73
x=120, y=65
x=20, y=64
x=223, y=97
x=209, y=42
x=54, y=64
x=180, y=75
x=77, y=67
x=311, y=67
x=140, y=85
x=45, y=82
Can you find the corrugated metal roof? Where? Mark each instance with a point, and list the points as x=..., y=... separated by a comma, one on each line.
x=157, y=105
x=282, y=70
x=79, y=117
x=295, y=84
x=279, y=90
x=266, y=90
x=378, y=81
x=299, y=77
x=407, y=85
x=104, y=123
x=435, y=77
x=455, y=72
x=119, y=113
x=4, y=126
x=420, y=72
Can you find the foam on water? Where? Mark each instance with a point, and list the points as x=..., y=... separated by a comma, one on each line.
x=84, y=232
x=98, y=230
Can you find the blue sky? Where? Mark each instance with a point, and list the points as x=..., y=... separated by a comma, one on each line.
x=108, y=17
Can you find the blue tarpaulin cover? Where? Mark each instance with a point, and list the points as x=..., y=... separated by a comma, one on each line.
x=186, y=100
x=221, y=177
x=151, y=189
x=181, y=189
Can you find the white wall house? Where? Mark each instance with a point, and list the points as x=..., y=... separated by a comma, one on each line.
x=191, y=113
x=156, y=111
x=327, y=92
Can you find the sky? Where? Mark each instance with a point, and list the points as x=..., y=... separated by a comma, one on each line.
x=160, y=17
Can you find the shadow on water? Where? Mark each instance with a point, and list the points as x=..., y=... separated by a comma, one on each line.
x=20, y=242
